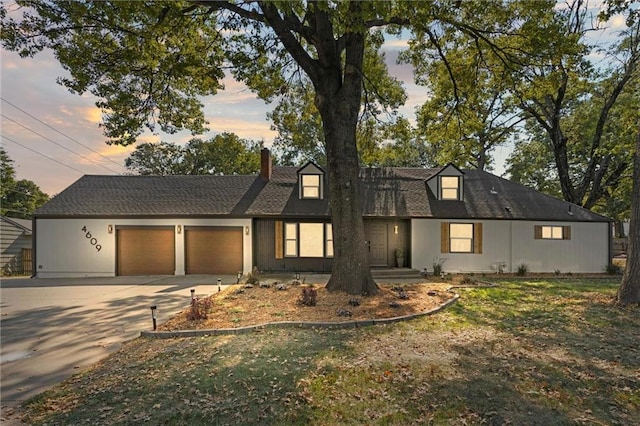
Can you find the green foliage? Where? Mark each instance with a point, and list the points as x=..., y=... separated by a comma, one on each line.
x=437, y=266
x=522, y=270
x=225, y=154
x=20, y=198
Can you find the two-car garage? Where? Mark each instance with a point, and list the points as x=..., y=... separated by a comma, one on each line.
x=151, y=250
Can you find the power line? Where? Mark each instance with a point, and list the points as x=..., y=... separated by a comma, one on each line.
x=56, y=143
x=44, y=155
x=58, y=131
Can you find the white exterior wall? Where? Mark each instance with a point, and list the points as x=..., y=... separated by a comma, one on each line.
x=512, y=243
x=64, y=250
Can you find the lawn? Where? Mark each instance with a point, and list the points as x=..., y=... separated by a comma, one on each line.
x=524, y=352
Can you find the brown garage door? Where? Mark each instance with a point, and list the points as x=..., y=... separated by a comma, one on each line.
x=146, y=251
x=213, y=250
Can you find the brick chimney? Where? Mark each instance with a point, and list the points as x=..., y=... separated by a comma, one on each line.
x=265, y=164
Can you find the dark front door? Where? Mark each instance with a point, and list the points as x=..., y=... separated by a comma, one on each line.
x=376, y=234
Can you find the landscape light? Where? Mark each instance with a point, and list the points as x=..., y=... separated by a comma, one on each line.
x=219, y=283
x=153, y=317
x=239, y=276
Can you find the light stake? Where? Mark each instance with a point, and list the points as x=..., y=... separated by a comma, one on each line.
x=153, y=317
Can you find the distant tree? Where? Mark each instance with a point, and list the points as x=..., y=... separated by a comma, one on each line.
x=17, y=198
x=224, y=154
x=162, y=158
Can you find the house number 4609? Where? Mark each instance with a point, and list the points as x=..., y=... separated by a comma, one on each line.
x=91, y=238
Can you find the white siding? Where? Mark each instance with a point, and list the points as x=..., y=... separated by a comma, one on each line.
x=512, y=243
x=64, y=250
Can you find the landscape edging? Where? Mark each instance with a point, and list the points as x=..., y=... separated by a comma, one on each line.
x=299, y=324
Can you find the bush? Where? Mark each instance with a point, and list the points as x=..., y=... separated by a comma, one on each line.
x=467, y=280
x=253, y=277
x=200, y=308
x=437, y=266
x=309, y=296
x=613, y=269
x=522, y=270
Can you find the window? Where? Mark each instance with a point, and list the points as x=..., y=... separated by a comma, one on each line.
x=311, y=240
x=329, y=240
x=290, y=239
x=552, y=232
x=310, y=186
x=303, y=240
x=461, y=237
x=449, y=188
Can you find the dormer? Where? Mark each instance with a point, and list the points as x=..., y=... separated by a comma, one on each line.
x=447, y=184
x=310, y=182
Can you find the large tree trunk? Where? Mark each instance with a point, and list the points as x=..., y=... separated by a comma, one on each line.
x=629, y=291
x=351, y=272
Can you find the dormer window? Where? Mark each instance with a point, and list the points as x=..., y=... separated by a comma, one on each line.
x=310, y=186
x=447, y=183
x=449, y=187
x=310, y=181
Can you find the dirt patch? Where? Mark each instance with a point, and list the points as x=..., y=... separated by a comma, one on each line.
x=241, y=306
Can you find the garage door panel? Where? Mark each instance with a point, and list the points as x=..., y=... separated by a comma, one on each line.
x=213, y=250
x=145, y=251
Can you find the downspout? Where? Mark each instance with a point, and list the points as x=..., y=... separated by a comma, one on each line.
x=34, y=246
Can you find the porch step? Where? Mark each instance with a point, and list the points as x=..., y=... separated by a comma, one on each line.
x=395, y=273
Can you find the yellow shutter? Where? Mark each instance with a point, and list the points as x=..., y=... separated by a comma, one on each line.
x=477, y=238
x=444, y=237
x=279, y=238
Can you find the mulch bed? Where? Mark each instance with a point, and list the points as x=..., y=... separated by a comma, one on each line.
x=242, y=306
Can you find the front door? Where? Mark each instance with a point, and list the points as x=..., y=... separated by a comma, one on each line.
x=376, y=234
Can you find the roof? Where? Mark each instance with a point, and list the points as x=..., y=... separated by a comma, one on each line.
x=386, y=192
x=23, y=224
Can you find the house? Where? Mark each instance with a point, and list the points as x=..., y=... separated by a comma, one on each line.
x=279, y=220
x=15, y=244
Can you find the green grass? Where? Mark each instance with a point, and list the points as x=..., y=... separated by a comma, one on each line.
x=525, y=352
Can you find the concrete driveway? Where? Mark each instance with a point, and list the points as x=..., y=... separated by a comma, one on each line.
x=54, y=328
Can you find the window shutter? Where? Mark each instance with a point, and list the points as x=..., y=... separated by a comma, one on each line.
x=279, y=238
x=444, y=237
x=477, y=238
x=566, y=232
x=537, y=231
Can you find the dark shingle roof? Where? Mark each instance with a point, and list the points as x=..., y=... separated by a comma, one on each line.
x=151, y=196
x=386, y=192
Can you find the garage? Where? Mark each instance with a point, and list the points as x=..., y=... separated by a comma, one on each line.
x=145, y=251
x=213, y=250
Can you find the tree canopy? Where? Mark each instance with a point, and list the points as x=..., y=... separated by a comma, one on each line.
x=224, y=154
x=18, y=198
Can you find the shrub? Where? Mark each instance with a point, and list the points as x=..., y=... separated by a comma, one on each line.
x=309, y=296
x=437, y=266
x=467, y=280
x=253, y=277
x=613, y=269
x=200, y=308
x=522, y=270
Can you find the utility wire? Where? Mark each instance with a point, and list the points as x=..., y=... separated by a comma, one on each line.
x=44, y=155
x=23, y=193
x=56, y=143
x=58, y=131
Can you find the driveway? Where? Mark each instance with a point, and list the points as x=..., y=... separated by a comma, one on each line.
x=54, y=328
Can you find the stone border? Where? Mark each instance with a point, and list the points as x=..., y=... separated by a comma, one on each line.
x=299, y=324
